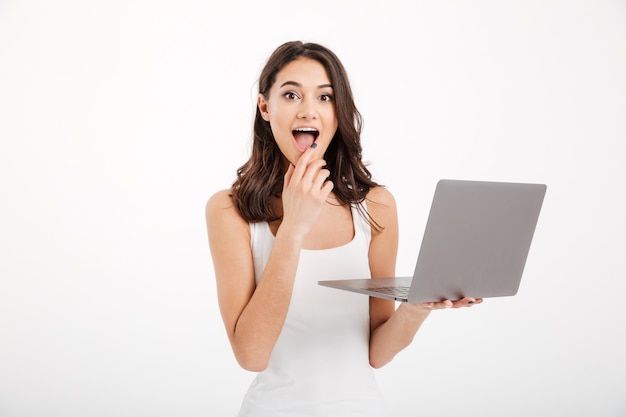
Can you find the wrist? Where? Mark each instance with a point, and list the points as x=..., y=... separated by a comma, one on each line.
x=291, y=235
x=412, y=312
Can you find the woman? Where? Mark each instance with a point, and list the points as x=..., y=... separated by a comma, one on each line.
x=304, y=208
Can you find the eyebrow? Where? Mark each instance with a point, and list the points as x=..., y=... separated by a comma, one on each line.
x=296, y=84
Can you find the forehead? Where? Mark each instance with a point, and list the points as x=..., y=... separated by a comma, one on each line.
x=304, y=71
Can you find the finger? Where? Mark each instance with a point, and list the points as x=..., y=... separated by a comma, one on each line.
x=438, y=305
x=288, y=175
x=465, y=302
x=302, y=164
x=321, y=174
x=314, y=175
x=327, y=188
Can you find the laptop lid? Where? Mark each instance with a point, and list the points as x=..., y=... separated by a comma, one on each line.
x=475, y=244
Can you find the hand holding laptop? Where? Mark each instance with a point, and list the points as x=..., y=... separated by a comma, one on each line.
x=439, y=305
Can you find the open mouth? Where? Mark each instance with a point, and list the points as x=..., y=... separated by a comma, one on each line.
x=305, y=136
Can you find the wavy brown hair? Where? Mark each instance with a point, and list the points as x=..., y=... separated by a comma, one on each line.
x=261, y=177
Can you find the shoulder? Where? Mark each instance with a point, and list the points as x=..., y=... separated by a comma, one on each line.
x=380, y=196
x=220, y=209
x=381, y=206
x=220, y=199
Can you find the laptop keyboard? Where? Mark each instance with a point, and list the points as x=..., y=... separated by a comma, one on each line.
x=402, y=292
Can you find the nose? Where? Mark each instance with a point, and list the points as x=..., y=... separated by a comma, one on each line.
x=307, y=110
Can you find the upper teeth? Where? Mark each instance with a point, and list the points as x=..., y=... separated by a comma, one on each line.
x=306, y=129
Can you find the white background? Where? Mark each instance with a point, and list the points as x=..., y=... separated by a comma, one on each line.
x=118, y=119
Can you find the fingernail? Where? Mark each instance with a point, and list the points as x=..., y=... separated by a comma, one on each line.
x=314, y=145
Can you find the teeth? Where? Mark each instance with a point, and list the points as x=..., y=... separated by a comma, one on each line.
x=306, y=129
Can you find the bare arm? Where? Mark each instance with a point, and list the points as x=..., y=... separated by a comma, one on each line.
x=392, y=330
x=254, y=314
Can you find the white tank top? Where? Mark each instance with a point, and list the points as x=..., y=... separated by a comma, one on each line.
x=320, y=363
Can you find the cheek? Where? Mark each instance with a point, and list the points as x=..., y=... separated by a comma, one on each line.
x=278, y=119
x=332, y=127
x=281, y=133
x=331, y=119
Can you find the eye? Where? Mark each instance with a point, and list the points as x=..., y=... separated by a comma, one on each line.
x=291, y=95
x=326, y=97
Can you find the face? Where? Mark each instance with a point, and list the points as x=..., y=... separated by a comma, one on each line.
x=300, y=108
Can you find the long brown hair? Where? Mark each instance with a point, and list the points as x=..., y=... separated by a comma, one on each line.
x=261, y=177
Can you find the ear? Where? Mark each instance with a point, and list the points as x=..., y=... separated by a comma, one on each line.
x=262, y=104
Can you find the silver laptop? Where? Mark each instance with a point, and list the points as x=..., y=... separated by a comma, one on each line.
x=475, y=244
